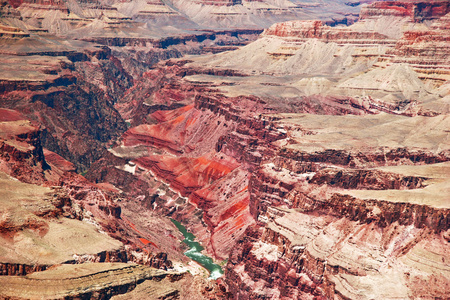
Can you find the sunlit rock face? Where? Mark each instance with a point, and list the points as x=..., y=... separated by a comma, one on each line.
x=304, y=145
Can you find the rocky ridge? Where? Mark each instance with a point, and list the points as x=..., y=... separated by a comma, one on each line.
x=75, y=281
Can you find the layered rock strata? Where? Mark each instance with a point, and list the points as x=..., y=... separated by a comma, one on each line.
x=298, y=254
x=314, y=216
x=417, y=11
x=90, y=280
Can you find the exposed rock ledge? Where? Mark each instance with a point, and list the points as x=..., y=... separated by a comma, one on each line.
x=88, y=281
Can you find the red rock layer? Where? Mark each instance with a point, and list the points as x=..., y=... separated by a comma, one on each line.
x=225, y=205
x=7, y=269
x=15, y=3
x=184, y=133
x=416, y=10
x=8, y=115
x=188, y=174
x=169, y=134
x=58, y=161
x=21, y=152
x=426, y=51
x=430, y=46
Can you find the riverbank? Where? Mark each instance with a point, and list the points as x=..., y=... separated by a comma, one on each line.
x=194, y=253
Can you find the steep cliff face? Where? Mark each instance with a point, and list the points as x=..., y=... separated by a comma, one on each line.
x=314, y=220
x=358, y=179
x=87, y=120
x=225, y=205
x=21, y=150
x=55, y=88
x=316, y=29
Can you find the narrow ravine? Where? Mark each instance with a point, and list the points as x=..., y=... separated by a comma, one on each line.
x=194, y=252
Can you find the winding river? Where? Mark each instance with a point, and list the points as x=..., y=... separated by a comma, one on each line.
x=194, y=252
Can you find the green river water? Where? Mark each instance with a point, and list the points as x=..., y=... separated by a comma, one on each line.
x=194, y=252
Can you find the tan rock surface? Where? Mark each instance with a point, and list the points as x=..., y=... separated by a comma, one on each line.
x=34, y=232
x=346, y=258
x=353, y=132
x=87, y=280
x=435, y=193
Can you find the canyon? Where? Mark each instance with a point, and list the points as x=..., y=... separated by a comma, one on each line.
x=300, y=147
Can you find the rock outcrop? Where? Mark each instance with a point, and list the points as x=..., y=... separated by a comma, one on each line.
x=93, y=281
x=316, y=29
x=417, y=11
x=307, y=209
x=298, y=255
x=21, y=151
x=42, y=226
